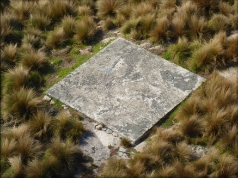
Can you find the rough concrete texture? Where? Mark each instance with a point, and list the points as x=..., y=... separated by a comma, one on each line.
x=126, y=87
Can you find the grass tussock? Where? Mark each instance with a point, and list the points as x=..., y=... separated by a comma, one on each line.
x=8, y=56
x=108, y=7
x=39, y=21
x=161, y=30
x=39, y=125
x=15, y=79
x=85, y=29
x=66, y=127
x=21, y=104
x=33, y=60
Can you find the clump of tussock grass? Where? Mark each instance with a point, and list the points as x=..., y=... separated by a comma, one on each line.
x=114, y=167
x=16, y=168
x=109, y=23
x=209, y=54
x=60, y=158
x=192, y=126
x=66, y=127
x=56, y=9
x=160, y=32
x=218, y=23
x=28, y=148
x=35, y=168
x=39, y=21
x=55, y=38
x=15, y=132
x=9, y=56
x=138, y=27
x=20, y=9
x=39, y=125
x=197, y=27
x=225, y=8
x=32, y=39
x=170, y=135
x=21, y=104
x=85, y=29
x=84, y=10
x=15, y=79
x=68, y=25
x=231, y=46
x=229, y=139
x=8, y=147
x=142, y=9
x=227, y=166
x=33, y=60
x=123, y=14
x=183, y=152
x=108, y=7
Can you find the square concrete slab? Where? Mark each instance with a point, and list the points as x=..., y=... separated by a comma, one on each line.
x=126, y=87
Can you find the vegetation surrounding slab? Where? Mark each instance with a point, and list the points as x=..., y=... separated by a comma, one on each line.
x=35, y=36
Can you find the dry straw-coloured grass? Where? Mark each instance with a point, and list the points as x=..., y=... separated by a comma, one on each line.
x=55, y=38
x=8, y=56
x=21, y=104
x=33, y=60
x=66, y=127
x=161, y=30
x=15, y=79
x=39, y=21
x=108, y=7
x=68, y=24
x=85, y=29
x=39, y=125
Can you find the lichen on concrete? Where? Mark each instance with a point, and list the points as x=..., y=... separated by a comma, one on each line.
x=126, y=87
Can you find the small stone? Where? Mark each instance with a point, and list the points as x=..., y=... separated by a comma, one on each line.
x=145, y=45
x=109, y=131
x=104, y=128
x=106, y=40
x=115, y=134
x=157, y=49
x=86, y=50
x=52, y=102
x=65, y=107
x=99, y=127
x=46, y=98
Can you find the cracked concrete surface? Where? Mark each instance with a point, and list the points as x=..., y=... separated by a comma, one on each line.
x=126, y=88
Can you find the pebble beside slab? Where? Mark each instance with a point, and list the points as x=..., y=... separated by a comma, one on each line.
x=126, y=87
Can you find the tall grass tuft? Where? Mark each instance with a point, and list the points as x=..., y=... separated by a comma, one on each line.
x=16, y=167
x=84, y=10
x=114, y=168
x=61, y=157
x=66, y=127
x=28, y=148
x=39, y=21
x=68, y=24
x=85, y=29
x=55, y=38
x=8, y=147
x=35, y=168
x=219, y=23
x=8, y=56
x=15, y=78
x=108, y=7
x=20, y=9
x=21, y=104
x=33, y=60
x=56, y=9
x=39, y=125
x=160, y=32
x=208, y=54
x=192, y=126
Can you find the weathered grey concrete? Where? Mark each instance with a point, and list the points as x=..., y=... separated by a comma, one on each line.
x=126, y=87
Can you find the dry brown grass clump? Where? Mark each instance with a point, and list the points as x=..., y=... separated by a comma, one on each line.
x=108, y=7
